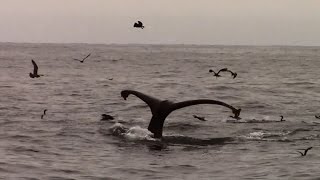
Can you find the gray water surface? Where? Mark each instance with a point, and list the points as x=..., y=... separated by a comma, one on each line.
x=72, y=143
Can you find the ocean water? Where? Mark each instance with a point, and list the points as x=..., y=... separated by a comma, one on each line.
x=71, y=142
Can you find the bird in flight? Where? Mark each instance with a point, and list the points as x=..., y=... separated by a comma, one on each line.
x=217, y=74
x=83, y=58
x=35, y=70
x=200, y=118
x=305, y=151
x=138, y=25
x=44, y=113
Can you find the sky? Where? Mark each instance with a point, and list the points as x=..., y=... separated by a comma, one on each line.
x=216, y=22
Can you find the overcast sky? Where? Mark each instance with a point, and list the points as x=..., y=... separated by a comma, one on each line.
x=228, y=22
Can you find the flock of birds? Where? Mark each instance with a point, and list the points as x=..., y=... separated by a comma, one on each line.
x=106, y=117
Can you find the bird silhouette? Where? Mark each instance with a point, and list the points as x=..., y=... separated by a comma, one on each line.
x=139, y=24
x=305, y=151
x=318, y=117
x=200, y=118
x=83, y=58
x=106, y=117
x=44, y=113
x=35, y=70
x=218, y=73
x=282, y=118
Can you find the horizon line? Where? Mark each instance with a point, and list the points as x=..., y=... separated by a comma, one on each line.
x=161, y=44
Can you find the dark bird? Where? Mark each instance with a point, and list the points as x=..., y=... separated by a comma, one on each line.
x=35, y=70
x=200, y=118
x=44, y=113
x=83, y=58
x=282, y=118
x=138, y=25
x=217, y=74
x=318, y=117
x=106, y=117
x=305, y=151
x=160, y=109
x=234, y=74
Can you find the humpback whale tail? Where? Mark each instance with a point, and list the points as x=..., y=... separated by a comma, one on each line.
x=160, y=109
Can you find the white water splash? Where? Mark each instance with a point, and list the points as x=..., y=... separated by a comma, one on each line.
x=138, y=133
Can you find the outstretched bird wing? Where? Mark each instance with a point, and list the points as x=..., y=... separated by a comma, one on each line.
x=86, y=57
x=35, y=67
x=300, y=153
x=223, y=70
x=305, y=151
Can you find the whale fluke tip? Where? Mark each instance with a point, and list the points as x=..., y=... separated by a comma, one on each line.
x=124, y=94
x=237, y=112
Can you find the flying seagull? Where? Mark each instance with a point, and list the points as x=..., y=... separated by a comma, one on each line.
x=44, y=113
x=200, y=118
x=138, y=25
x=305, y=151
x=35, y=70
x=217, y=74
x=83, y=58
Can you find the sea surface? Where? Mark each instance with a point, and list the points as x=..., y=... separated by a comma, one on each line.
x=71, y=142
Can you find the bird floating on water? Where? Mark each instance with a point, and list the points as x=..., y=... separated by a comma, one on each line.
x=106, y=117
x=200, y=118
x=282, y=118
x=139, y=24
x=305, y=151
x=35, y=70
x=83, y=58
x=318, y=117
x=44, y=113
